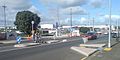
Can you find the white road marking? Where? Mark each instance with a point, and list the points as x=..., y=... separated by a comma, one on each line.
x=83, y=58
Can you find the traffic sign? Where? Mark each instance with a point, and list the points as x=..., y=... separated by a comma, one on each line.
x=18, y=39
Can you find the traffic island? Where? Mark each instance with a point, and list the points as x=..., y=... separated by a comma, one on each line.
x=84, y=51
x=93, y=45
x=26, y=44
x=88, y=49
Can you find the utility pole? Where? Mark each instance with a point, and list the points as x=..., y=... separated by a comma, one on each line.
x=88, y=19
x=71, y=20
x=93, y=23
x=58, y=18
x=4, y=9
x=117, y=30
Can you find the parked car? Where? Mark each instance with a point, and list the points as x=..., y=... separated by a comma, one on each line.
x=91, y=35
x=114, y=35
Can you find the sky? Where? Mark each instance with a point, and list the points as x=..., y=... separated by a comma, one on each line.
x=83, y=11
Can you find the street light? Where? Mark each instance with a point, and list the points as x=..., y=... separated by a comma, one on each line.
x=32, y=24
x=109, y=41
x=109, y=38
x=32, y=30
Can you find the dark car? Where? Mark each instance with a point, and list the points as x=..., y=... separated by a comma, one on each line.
x=115, y=35
x=91, y=35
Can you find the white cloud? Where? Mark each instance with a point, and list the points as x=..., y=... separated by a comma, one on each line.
x=48, y=20
x=113, y=17
x=71, y=3
x=13, y=6
x=16, y=4
x=64, y=3
x=35, y=10
x=96, y=3
x=83, y=20
x=75, y=21
x=77, y=10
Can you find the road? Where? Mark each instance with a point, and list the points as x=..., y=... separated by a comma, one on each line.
x=60, y=51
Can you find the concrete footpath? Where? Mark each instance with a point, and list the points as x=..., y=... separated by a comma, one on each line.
x=114, y=54
x=91, y=47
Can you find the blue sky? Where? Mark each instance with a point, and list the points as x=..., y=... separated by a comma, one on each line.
x=47, y=10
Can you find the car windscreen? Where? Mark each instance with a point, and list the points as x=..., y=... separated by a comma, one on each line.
x=90, y=33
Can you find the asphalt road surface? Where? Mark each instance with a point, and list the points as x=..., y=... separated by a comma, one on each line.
x=60, y=51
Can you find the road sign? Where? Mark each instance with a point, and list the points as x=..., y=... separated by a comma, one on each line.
x=18, y=39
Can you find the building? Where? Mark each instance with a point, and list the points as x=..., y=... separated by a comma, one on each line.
x=47, y=26
x=97, y=28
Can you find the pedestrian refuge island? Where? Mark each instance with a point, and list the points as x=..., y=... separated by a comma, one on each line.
x=86, y=48
x=83, y=50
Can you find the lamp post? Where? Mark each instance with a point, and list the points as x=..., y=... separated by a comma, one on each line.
x=32, y=25
x=32, y=30
x=109, y=37
x=109, y=40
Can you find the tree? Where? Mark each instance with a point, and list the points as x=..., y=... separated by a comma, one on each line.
x=24, y=19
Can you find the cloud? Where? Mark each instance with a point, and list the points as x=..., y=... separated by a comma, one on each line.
x=51, y=20
x=96, y=3
x=64, y=3
x=113, y=17
x=71, y=3
x=76, y=21
x=77, y=10
x=16, y=4
x=64, y=8
x=13, y=6
x=35, y=10
x=83, y=20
